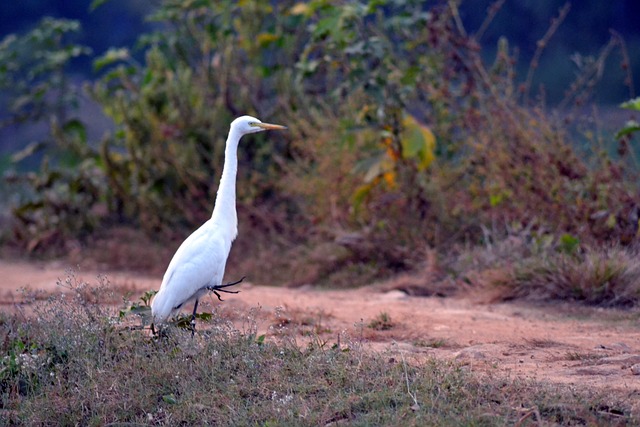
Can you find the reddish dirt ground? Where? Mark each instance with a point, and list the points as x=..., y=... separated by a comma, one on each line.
x=560, y=344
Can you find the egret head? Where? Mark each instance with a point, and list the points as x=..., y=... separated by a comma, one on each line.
x=248, y=124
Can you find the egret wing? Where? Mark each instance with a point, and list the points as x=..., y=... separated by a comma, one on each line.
x=199, y=262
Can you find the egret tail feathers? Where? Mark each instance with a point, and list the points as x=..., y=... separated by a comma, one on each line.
x=161, y=307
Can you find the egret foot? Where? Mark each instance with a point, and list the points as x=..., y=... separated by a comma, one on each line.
x=220, y=288
x=193, y=319
x=192, y=325
x=159, y=331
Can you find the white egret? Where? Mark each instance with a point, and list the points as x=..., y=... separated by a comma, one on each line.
x=199, y=263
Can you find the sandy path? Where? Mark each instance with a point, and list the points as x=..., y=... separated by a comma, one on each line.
x=558, y=344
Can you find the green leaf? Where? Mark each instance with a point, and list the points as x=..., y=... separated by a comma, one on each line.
x=629, y=128
x=260, y=339
x=140, y=309
x=495, y=199
x=569, y=244
x=170, y=399
x=96, y=4
x=418, y=142
x=327, y=26
x=183, y=322
x=146, y=297
x=76, y=127
x=371, y=167
x=632, y=104
x=112, y=56
x=205, y=317
x=411, y=75
x=265, y=39
x=360, y=195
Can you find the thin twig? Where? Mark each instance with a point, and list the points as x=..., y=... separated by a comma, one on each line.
x=126, y=424
x=541, y=44
x=626, y=62
x=406, y=377
x=588, y=77
x=491, y=13
x=530, y=412
x=453, y=5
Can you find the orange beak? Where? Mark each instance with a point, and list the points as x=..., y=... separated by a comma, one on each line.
x=269, y=126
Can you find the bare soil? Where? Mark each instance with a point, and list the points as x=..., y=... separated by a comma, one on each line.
x=564, y=344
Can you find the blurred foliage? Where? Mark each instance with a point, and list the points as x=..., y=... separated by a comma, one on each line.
x=401, y=135
x=172, y=112
x=631, y=126
x=350, y=55
x=38, y=90
x=32, y=75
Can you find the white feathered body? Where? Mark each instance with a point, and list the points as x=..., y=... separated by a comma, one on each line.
x=200, y=260
x=198, y=263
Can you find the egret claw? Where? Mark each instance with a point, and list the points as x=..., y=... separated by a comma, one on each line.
x=220, y=288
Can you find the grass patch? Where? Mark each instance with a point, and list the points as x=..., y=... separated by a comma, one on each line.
x=583, y=357
x=432, y=343
x=605, y=277
x=307, y=323
x=76, y=363
x=545, y=268
x=382, y=322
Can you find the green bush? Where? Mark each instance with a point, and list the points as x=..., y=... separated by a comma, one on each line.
x=172, y=112
x=37, y=90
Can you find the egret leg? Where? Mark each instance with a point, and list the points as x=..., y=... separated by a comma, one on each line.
x=220, y=288
x=193, y=319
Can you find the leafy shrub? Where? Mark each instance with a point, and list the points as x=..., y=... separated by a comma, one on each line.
x=487, y=157
x=37, y=90
x=172, y=112
x=495, y=158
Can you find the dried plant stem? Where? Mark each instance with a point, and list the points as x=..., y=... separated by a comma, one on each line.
x=491, y=13
x=532, y=411
x=453, y=5
x=541, y=45
x=626, y=62
x=406, y=377
x=589, y=76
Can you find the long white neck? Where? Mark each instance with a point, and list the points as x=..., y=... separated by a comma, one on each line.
x=224, y=212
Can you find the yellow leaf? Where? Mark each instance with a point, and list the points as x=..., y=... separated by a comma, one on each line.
x=299, y=9
x=390, y=178
x=361, y=194
x=393, y=154
x=418, y=142
x=265, y=39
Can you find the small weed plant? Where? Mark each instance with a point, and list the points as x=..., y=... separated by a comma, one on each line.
x=382, y=322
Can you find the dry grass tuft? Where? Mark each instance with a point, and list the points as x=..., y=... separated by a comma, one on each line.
x=382, y=322
x=546, y=268
x=604, y=277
